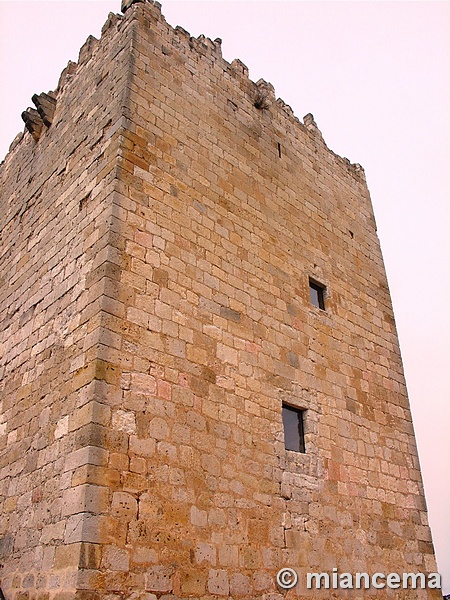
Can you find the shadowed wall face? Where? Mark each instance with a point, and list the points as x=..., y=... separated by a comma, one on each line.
x=55, y=233
x=207, y=211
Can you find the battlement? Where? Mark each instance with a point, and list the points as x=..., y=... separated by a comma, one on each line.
x=261, y=94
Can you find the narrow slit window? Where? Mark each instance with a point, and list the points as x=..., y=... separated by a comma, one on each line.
x=294, y=432
x=317, y=294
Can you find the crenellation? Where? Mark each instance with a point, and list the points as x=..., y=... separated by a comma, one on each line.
x=111, y=22
x=239, y=67
x=87, y=50
x=66, y=74
x=16, y=141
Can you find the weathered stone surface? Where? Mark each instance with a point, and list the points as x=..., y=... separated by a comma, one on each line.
x=33, y=122
x=45, y=104
x=6, y=546
x=155, y=315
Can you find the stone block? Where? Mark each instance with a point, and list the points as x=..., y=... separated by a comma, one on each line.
x=45, y=104
x=159, y=579
x=218, y=582
x=115, y=559
x=124, y=506
x=85, y=498
x=33, y=123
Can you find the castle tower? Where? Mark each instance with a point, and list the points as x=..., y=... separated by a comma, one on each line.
x=201, y=377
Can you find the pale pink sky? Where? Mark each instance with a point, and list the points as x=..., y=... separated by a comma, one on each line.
x=376, y=77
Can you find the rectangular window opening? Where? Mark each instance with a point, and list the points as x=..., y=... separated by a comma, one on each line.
x=294, y=431
x=317, y=294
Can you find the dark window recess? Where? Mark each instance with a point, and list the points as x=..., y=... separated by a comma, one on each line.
x=294, y=434
x=317, y=294
x=279, y=149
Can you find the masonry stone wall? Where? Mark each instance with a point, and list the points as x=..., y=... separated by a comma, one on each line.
x=158, y=246
x=55, y=237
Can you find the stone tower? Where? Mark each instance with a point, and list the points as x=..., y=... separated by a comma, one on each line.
x=201, y=377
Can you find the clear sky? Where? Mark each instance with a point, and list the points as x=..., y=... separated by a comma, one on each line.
x=376, y=76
